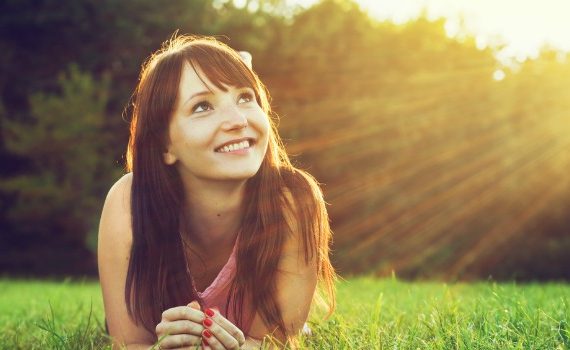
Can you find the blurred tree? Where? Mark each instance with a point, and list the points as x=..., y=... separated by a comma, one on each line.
x=99, y=35
x=56, y=204
x=247, y=27
x=38, y=39
x=260, y=6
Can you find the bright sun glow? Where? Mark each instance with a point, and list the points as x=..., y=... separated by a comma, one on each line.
x=499, y=75
x=524, y=26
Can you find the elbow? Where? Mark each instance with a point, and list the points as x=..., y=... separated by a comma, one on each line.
x=138, y=344
x=297, y=320
x=296, y=327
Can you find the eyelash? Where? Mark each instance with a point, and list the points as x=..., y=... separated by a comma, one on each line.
x=247, y=95
x=202, y=104
x=206, y=106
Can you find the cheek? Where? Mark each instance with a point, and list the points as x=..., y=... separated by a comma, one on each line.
x=261, y=121
x=264, y=139
x=186, y=137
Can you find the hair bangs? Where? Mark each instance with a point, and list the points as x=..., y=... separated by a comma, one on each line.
x=222, y=67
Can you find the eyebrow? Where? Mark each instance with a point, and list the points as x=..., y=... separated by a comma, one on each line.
x=201, y=93
x=208, y=92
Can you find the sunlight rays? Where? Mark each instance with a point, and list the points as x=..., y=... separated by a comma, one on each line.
x=449, y=165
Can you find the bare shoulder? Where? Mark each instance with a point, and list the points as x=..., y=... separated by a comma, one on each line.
x=119, y=195
x=123, y=184
x=113, y=254
x=116, y=216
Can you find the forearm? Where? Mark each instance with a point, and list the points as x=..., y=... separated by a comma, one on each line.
x=133, y=346
x=251, y=343
x=140, y=347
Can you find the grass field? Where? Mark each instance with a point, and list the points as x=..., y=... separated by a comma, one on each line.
x=371, y=314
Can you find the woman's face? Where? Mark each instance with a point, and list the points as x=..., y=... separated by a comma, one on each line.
x=215, y=134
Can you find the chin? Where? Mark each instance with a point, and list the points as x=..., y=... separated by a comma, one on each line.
x=243, y=175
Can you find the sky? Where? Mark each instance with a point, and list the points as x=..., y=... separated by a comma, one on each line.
x=523, y=25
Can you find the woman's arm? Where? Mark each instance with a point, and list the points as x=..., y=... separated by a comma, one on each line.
x=296, y=284
x=114, y=245
x=180, y=325
x=251, y=344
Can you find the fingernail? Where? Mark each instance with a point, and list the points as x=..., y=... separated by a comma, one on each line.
x=209, y=312
x=206, y=333
x=207, y=322
x=205, y=342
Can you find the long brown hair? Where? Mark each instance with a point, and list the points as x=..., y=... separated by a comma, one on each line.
x=159, y=277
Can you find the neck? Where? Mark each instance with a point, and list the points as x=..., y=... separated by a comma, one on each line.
x=214, y=212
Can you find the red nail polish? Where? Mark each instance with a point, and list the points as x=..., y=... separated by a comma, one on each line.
x=206, y=333
x=205, y=342
x=209, y=312
x=207, y=322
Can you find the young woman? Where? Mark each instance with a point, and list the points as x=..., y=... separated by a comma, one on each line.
x=213, y=238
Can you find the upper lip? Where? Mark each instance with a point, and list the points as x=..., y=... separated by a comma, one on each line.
x=250, y=139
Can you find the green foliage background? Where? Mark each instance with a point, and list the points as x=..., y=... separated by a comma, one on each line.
x=431, y=167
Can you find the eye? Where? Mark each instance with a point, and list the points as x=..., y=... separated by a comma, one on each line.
x=202, y=107
x=245, y=97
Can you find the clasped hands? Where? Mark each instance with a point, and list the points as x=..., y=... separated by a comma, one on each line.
x=190, y=327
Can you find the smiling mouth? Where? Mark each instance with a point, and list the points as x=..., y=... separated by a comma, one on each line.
x=235, y=146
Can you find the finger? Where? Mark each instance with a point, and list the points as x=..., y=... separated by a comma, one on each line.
x=213, y=342
x=216, y=335
x=192, y=347
x=183, y=313
x=205, y=344
x=194, y=305
x=224, y=323
x=179, y=327
x=180, y=341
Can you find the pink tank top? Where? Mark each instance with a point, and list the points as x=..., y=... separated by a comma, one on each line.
x=216, y=294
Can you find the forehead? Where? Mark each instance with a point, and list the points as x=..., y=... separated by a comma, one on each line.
x=192, y=81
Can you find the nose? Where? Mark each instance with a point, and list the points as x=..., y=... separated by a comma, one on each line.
x=234, y=119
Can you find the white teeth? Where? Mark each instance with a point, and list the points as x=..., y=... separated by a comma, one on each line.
x=234, y=146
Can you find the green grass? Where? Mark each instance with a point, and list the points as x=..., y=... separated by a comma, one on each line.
x=371, y=314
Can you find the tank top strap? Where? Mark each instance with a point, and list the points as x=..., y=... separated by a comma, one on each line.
x=224, y=277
